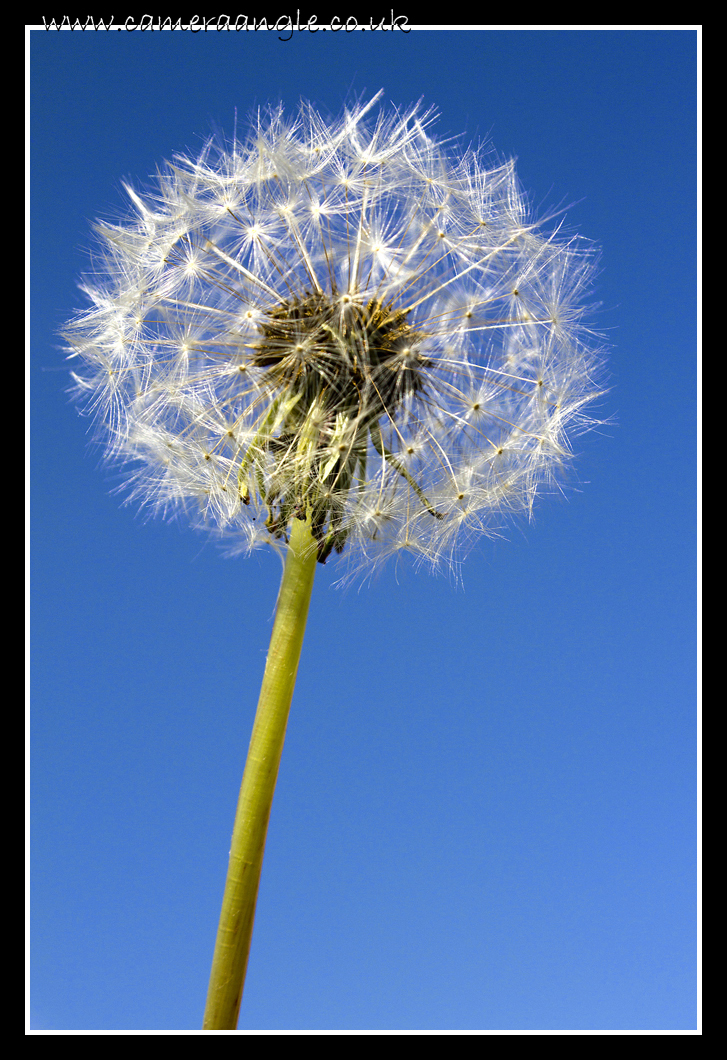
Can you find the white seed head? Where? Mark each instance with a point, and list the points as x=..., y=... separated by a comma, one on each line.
x=339, y=320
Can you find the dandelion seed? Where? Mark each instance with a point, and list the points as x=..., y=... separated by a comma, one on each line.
x=339, y=337
x=312, y=306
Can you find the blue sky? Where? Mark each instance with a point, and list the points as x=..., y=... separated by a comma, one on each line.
x=485, y=818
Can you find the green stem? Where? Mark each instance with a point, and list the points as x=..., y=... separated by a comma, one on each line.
x=234, y=934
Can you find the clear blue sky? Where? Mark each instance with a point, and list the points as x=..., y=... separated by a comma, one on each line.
x=485, y=817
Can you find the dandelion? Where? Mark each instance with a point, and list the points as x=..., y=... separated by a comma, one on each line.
x=340, y=339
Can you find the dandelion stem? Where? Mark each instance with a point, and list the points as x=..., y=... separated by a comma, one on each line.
x=234, y=933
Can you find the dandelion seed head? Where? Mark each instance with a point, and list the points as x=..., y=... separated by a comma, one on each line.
x=341, y=320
